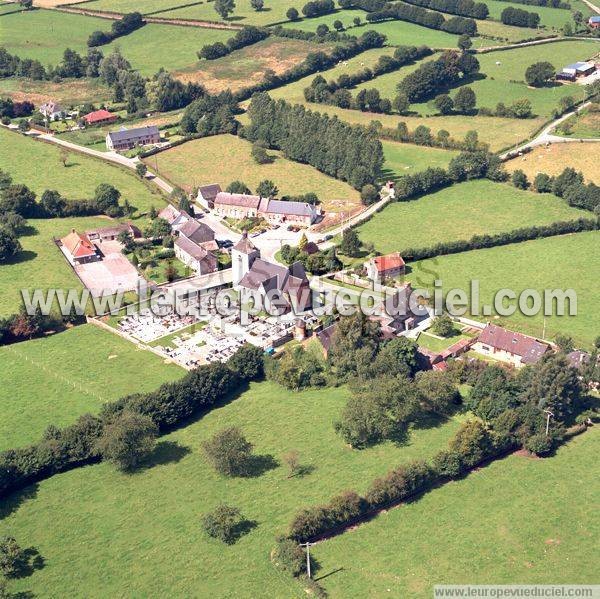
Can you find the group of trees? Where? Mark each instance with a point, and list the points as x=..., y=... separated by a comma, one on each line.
x=210, y=115
x=464, y=8
x=244, y=37
x=316, y=8
x=128, y=23
x=352, y=154
x=539, y=73
x=72, y=65
x=317, y=263
x=427, y=18
x=520, y=17
x=436, y=75
x=570, y=185
x=549, y=3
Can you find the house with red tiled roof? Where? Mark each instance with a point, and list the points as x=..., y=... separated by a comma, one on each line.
x=510, y=347
x=78, y=248
x=100, y=117
x=385, y=267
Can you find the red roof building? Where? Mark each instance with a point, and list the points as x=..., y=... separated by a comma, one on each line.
x=99, y=117
x=385, y=267
x=79, y=248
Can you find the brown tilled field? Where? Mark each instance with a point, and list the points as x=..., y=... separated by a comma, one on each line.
x=583, y=156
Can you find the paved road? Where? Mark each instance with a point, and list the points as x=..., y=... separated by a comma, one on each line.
x=592, y=6
x=546, y=136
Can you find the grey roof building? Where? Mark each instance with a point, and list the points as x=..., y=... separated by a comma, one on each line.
x=125, y=139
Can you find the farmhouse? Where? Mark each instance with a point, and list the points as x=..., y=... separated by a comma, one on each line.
x=281, y=288
x=207, y=194
x=111, y=233
x=196, y=257
x=594, y=22
x=100, y=117
x=238, y=206
x=577, y=69
x=79, y=249
x=385, y=267
x=52, y=111
x=127, y=139
x=507, y=346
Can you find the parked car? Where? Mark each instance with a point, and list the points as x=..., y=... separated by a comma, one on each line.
x=328, y=237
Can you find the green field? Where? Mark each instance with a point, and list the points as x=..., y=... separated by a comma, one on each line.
x=503, y=33
x=402, y=159
x=243, y=14
x=549, y=17
x=294, y=92
x=225, y=158
x=55, y=379
x=173, y=48
x=461, y=211
x=45, y=34
x=516, y=520
x=79, y=179
x=116, y=534
x=583, y=125
x=439, y=344
x=505, y=82
x=563, y=262
x=9, y=7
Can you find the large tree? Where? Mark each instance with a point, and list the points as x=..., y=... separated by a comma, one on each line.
x=224, y=7
x=229, y=452
x=539, y=73
x=9, y=244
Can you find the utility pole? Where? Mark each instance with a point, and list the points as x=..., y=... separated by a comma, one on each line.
x=307, y=545
x=548, y=415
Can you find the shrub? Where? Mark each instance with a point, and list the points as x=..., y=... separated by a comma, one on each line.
x=288, y=556
x=229, y=452
x=11, y=557
x=223, y=523
x=400, y=483
x=539, y=444
x=447, y=464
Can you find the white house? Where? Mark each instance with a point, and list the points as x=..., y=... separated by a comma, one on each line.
x=52, y=111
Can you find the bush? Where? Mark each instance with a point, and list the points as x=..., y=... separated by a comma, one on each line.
x=12, y=557
x=229, y=452
x=223, y=523
x=128, y=440
x=447, y=464
x=288, y=556
x=400, y=483
x=539, y=444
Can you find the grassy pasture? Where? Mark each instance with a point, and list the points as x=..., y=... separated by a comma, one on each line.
x=225, y=158
x=555, y=158
x=564, y=262
x=8, y=7
x=173, y=48
x=493, y=527
x=247, y=66
x=294, y=92
x=57, y=378
x=402, y=159
x=243, y=14
x=78, y=179
x=115, y=530
x=549, y=17
x=68, y=92
x=461, y=211
x=44, y=34
x=505, y=82
x=504, y=33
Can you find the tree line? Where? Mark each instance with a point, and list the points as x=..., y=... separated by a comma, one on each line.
x=424, y=17
x=127, y=24
x=337, y=94
x=549, y=3
x=433, y=76
x=351, y=154
x=519, y=17
x=244, y=37
x=463, y=8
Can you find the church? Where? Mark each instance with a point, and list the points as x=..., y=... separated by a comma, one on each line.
x=282, y=288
